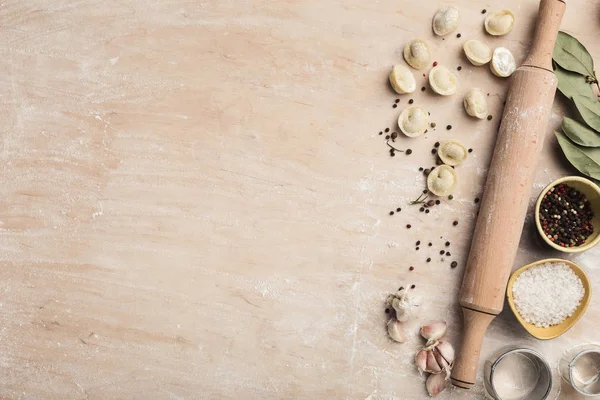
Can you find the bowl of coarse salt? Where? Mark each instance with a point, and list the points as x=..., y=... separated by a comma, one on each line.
x=548, y=296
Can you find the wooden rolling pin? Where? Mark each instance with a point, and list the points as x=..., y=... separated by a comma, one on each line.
x=507, y=191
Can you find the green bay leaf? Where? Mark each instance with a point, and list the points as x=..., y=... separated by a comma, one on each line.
x=580, y=134
x=571, y=84
x=571, y=55
x=589, y=110
x=585, y=159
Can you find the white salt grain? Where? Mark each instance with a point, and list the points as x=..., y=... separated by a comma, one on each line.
x=547, y=294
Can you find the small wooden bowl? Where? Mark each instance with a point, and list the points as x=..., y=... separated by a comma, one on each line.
x=555, y=330
x=592, y=192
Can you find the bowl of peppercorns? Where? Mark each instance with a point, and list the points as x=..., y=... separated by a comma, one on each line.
x=567, y=214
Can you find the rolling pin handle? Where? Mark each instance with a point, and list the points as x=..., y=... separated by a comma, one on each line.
x=549, y=17
x=464, y=372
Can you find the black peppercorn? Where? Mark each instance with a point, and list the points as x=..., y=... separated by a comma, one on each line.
x=447, y=244
x=397, y=101
x=408, y=151
x=394, y=105
x=453, y=264
x=476, y=200
x=489, y=117
x=449, y=127
x=418, y=242
x=412, y=286
x=450, y=197
x=437, y=202
x=398, y=209
x=442, y=252
x=408, y=226
x=420, y=168
x=433, y=151
x=411, y=101
x=387, y=310
x=430, y=244
x=426, y=211
x=421, y=209
x=436, y=144
x=470, y=150
x=428, y=259
x=458, y=35
x=483, y=11
x=455, y=223
x=459, y=68
x=391, y=213
x=425, y=191
x=387, y=130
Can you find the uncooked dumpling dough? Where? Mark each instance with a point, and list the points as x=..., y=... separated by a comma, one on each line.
x=417, y=53
x=413, y=121
x=442, y=180
x=503, y=62
x=402, y=79
x=476, y=104
x=442, y=81
x=477, y=53
x=445, y=20
x=499, y=23
x=452, y=152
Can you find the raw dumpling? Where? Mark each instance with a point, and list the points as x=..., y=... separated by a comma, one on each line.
x=442, y=81
x=476, y=104
x=499, y=23
x=402, y=79
x=445, y=21
x=442, y=180
x=413, y=121
x=477, y=53
x=452, y=152
x=417, y=53
x=503, y=62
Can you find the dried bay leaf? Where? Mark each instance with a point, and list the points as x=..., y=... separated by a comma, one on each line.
x=580, y=134
x=571, y=84
x=571, y=55
x=589, y=110
x=585, y=159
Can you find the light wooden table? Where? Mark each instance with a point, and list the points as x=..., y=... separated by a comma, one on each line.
x=195, y=197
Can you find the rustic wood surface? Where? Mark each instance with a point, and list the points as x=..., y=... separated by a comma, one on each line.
x=195, y=197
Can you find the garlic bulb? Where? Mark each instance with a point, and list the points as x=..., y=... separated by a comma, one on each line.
x=446, y=351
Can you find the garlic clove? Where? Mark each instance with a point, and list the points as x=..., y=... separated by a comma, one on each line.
x=396, y=330
x=434, y=331
x=421, y=361
x=435, y=384
x=446, y=351
x=442, y=362
x=432, y=364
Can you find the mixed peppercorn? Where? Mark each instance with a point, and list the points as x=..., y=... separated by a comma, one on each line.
x=566, y=216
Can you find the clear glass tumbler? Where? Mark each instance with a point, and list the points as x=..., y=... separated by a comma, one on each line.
x=517, y=373
x=580, y=367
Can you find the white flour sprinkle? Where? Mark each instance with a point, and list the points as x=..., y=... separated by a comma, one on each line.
x=547, y=294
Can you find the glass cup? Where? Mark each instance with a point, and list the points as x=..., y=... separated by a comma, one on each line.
x=580, y=367
x=517, y=373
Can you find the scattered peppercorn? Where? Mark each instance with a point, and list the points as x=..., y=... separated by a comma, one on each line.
x=421, y=209
x=453, y=264
x=426, y=172
x=433, y=124
x=398, y=209
x=387, y=310
x=437, y=202
x=430, y=244
x=408, y=226
x=421, y=169
x=394, y=105
x=449, y=127
x=448, y=253
x=442, y=252
x=387, y=130
x=476, y=200
x=418, y=242
x=417, y=248
x=566, y=216
x=447, y=244
x=394, y=135
x=411, y=101
x=435, y=63
x=433, y=151
x=437, y=144
x=397, y=101
x=428, y=259
x=412, y=286
x=426, y=211
x=450, y=197
x=391, y=213
x=411, y=268
x=381, y=133
x=401, y=288
x=408, y=151
x=458, y=35
x=455, y=223
x=423, y=89
x=470, y=150
x=425, y=191
x=459, y=68
x=483, y=11
x=489, y=117
x=392, y=154
x=387, y=136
